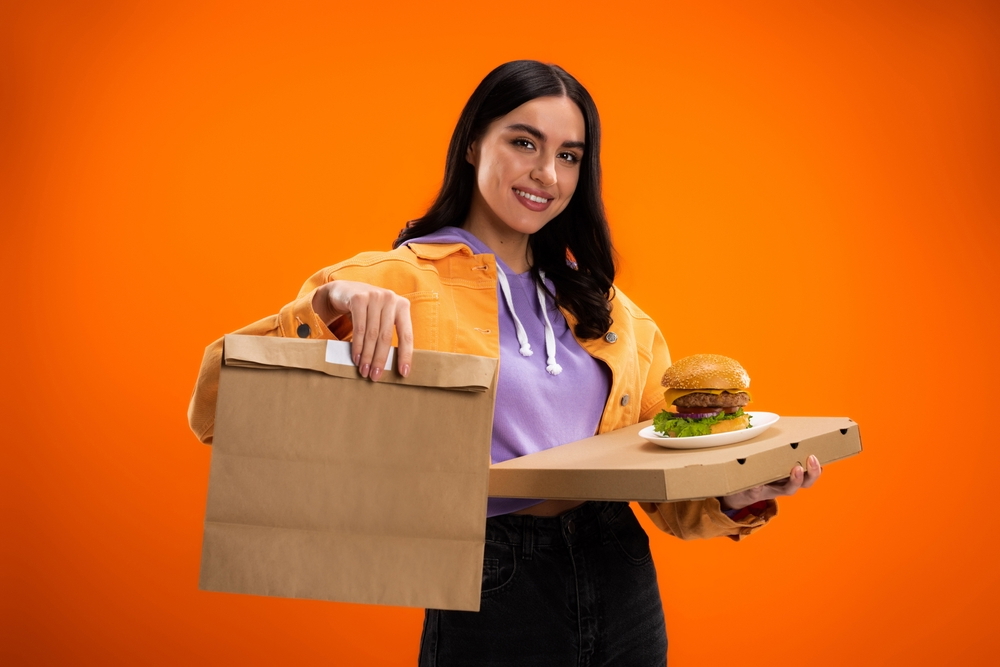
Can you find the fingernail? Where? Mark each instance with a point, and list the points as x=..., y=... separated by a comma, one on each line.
x=404, y=370
x=813, y=461
x=798, y=471
x=357, y=359
x=364, y=370
x=376, y=374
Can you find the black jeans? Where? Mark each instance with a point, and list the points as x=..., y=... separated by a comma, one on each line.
x=578, y=589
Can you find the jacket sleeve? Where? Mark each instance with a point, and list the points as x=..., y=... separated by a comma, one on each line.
x=296, y=319
x=701, y=519
x=690, y=519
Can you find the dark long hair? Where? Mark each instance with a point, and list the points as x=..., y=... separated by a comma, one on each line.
x=580, y=233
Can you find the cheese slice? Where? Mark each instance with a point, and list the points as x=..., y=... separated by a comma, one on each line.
x=673, y=394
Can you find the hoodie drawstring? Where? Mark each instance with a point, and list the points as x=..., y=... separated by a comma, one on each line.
x=550, y=337
x=522, y=337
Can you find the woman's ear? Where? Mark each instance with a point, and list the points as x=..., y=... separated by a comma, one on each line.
x=472, y=154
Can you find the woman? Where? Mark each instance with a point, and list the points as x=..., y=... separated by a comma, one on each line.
x=514, y=260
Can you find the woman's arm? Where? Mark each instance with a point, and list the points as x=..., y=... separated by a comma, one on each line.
x=318, y=313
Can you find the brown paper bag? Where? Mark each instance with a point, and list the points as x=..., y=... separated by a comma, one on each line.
x=328, y=486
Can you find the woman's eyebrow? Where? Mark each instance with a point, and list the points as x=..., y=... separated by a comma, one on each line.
x=533, y=131
x=540, y=136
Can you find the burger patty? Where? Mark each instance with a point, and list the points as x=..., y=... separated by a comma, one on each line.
x=723, y=400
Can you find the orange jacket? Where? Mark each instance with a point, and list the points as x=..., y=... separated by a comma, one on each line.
x=453, y=307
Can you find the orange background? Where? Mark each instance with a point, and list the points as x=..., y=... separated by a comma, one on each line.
x=802, y=185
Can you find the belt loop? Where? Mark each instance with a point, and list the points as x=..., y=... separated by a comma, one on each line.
x=527, y=536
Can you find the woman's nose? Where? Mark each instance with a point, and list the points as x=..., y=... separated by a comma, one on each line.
x=545, y=171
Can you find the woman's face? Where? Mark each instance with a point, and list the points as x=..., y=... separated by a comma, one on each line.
x=527, y=165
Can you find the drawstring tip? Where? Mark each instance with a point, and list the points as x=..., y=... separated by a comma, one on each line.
x=554, y=369
x=526, y=351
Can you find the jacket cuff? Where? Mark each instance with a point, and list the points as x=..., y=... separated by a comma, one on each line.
x=298, y=320
x=702, y=519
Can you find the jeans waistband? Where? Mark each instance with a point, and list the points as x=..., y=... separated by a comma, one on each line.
x=579, y=524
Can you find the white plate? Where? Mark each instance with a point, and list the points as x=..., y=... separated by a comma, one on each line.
x=759, y=422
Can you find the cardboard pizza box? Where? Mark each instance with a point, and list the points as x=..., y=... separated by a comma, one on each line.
x=621, y=465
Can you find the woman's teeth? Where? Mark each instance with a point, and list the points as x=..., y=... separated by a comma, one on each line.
x=540, y=200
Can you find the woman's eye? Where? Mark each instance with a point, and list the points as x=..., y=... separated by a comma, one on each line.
x=523, y=143
x=570, y=157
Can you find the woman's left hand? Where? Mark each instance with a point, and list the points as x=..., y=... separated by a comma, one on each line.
x=799, y=479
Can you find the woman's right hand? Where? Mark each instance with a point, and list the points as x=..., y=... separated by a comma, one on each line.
x=375, y=312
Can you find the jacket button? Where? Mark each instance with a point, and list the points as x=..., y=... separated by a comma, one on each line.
x=611, y=336
x=625, y=399
x=570, y=527
x=303, y=331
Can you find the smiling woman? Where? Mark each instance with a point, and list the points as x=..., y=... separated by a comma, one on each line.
x=520, y=208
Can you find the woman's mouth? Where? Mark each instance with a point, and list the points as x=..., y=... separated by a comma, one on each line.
x=530, y=201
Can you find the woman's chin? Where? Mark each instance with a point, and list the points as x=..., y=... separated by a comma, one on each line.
x=528, y=222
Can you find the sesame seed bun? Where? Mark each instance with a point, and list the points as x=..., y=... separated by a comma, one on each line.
x=706, y=371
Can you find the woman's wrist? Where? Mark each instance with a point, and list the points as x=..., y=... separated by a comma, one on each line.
x=321, y=305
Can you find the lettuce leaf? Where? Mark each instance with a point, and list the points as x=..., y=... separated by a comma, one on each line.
x=667, y=422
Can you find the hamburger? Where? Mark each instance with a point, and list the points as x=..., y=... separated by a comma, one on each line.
x=708, y=393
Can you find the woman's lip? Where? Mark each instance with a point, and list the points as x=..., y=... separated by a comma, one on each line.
x=532, y=205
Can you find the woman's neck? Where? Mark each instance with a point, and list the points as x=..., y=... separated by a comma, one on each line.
x=509, y=245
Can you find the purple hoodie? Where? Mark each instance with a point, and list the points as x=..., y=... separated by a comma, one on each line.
x=535, y=408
